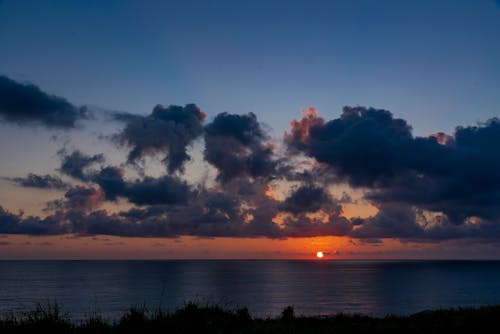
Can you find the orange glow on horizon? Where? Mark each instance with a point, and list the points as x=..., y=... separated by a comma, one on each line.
x=112, y=247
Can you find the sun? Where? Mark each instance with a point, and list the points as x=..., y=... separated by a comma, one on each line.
x=319, y=255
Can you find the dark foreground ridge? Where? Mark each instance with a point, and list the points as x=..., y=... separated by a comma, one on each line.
x=208, y=319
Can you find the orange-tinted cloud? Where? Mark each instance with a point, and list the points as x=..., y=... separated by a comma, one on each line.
x=300, y=129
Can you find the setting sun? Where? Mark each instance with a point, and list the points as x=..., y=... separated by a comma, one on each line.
x=319, y=255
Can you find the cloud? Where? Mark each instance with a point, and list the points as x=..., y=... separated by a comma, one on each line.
x=237, y=213
x=242, y=210
x=459, y=179
x=369, y=148
x=392, y=221
x=300, y=226
x=32, y=225
x=147, y=191
x=111, y=180
x=425, y=188
x=209, y=214
x=409, y=223
x=364, y=146
x=307, y=198
x=40, y=181
x=81, y=198
x=77, y=199
x=26, y=104
x=300, y=129
x=167, y=131
x=164, y=190
x=236, y=146
x=311, y=211
x=76, y=164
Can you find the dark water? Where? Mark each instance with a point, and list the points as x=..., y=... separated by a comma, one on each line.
x=265, y=287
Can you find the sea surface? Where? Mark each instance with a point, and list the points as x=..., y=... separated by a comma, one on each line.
x=373, y=288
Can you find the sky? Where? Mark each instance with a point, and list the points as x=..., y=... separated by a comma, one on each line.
x=258, y=129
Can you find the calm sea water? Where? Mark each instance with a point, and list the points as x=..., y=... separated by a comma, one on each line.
x=265, y=287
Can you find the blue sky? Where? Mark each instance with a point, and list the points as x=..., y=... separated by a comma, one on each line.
x=432, y=63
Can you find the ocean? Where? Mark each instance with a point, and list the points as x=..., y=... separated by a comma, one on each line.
x=316, y=287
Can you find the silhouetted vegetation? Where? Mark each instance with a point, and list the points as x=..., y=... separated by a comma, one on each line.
x=212, y=319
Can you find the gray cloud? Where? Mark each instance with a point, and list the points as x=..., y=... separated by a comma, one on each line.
x=167, y=131
x=76, y=164
x=26, y=104
x=456, y=175
x=40, y=181
x=111, y=180
x=307, y=198
x=235, y=145
x=430, y=188
x=32, y=225
x=365, y=146
x=147, y=191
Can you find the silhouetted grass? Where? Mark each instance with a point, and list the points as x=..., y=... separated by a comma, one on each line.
x=212, y=319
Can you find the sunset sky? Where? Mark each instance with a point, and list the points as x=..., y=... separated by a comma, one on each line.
x=249, y=129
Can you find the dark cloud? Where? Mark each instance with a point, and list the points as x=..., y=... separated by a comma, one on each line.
x=40, y=181
x=456, y=175
x=76, y=164
x=405, y=222
x=226, y=214
x=462, y=181
x=111, y=180
x=147, y=191
x=163, y=190
x=392, y=221
x=301, y=225
x=236, y=146
x=428, y=188
x=32, y=225
x=365, y=146
x=81, y=198
x=307, y=198
x=78, y=199
x=7, y=220
x=26, y=104
x=327, y=213
x=208, y=214
x=167, y=131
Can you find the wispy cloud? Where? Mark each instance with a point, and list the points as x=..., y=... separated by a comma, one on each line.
x=39, y=181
